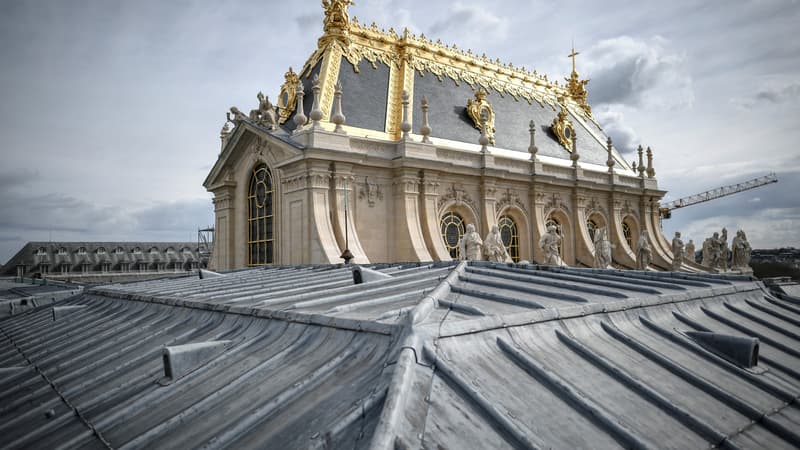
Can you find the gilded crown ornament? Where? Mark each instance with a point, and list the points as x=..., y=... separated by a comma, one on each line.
x=476, y=107
x=286, y=99
x=563, y=129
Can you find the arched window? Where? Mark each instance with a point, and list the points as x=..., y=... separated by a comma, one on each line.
x=41, y=251
x=554, y=222
x=591, y=225
x=101, y=251
x=626, y=231
x=260, y=233
x=452, y=230
x=509, y=236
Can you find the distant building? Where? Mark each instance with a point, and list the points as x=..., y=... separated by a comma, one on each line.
x=398, y=172
x=68, y=259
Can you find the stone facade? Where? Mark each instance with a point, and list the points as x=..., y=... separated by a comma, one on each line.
x=381, y=192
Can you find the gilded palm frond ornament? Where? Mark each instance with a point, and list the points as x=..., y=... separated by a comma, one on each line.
x=476, y=107
x=562, y=128
x=288, y=95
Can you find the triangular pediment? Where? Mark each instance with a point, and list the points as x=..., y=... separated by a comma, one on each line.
x=250, y=140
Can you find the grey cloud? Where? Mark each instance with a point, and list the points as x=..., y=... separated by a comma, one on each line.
x=308, y=21
x=625, y=138
x=482, y=24
x=770, y=93
x=637, y=72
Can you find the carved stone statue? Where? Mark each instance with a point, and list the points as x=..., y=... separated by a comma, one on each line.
x=549, y=243
x=724, y=251
x=493, y=246
x=643, y=252
x=741, y=251
x=238, y=116
x=265, y=114
x=602, y=249
x=470, y=244
x=690, y=251
x=677, y=252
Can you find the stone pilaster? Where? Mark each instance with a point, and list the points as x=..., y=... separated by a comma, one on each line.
x=409, y=242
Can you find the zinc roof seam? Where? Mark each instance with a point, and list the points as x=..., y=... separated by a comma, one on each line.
x=63, y=398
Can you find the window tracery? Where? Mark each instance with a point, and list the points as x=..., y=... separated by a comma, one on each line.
x=452, y=226
x=260, y=232
x=510, y=236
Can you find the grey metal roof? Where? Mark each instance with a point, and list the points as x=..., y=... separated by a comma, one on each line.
x=476, y=355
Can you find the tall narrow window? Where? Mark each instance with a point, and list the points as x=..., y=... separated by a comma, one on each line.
x=260, y=234
x=510, y=236
x=626, y=231
x=452, y=230
x=591, y=225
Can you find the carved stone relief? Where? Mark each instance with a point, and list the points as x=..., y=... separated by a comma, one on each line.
x=371, y=191
x=509, y=198
x=460, y=196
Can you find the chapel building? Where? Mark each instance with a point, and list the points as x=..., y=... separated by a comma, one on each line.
x=387, y=145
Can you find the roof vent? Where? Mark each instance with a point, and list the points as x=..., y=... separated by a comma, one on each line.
x=209, y=274
x=737, y=349
x=61, y=311
x=181, y=360
x=363, y=275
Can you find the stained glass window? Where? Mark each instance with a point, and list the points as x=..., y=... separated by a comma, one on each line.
x=509, y=236
x=452, y=230
x=260, y=233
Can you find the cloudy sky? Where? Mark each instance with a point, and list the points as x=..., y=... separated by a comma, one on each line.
x=111, y=110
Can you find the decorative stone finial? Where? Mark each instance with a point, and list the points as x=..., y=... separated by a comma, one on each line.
x=532, y=149
x=640, y=151
x=316, y=113
x=425, y=129
x=484, y=139
x=300, y=118
x=610, y=161
x=225, y=133
x=651, y=172
x=405, y=126
x=574, y=155
x=338, y=118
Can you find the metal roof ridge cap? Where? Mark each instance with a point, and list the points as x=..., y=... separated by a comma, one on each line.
x=424, y=308
x=453, y=329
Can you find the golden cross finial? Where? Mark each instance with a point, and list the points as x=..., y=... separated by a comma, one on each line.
x=573, y=55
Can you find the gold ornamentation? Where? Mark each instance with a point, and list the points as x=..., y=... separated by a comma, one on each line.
x=563, y=129
x=329, y=75
x=475, y=109
x=336, y=24
x=577, y=87
x=287, y=97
